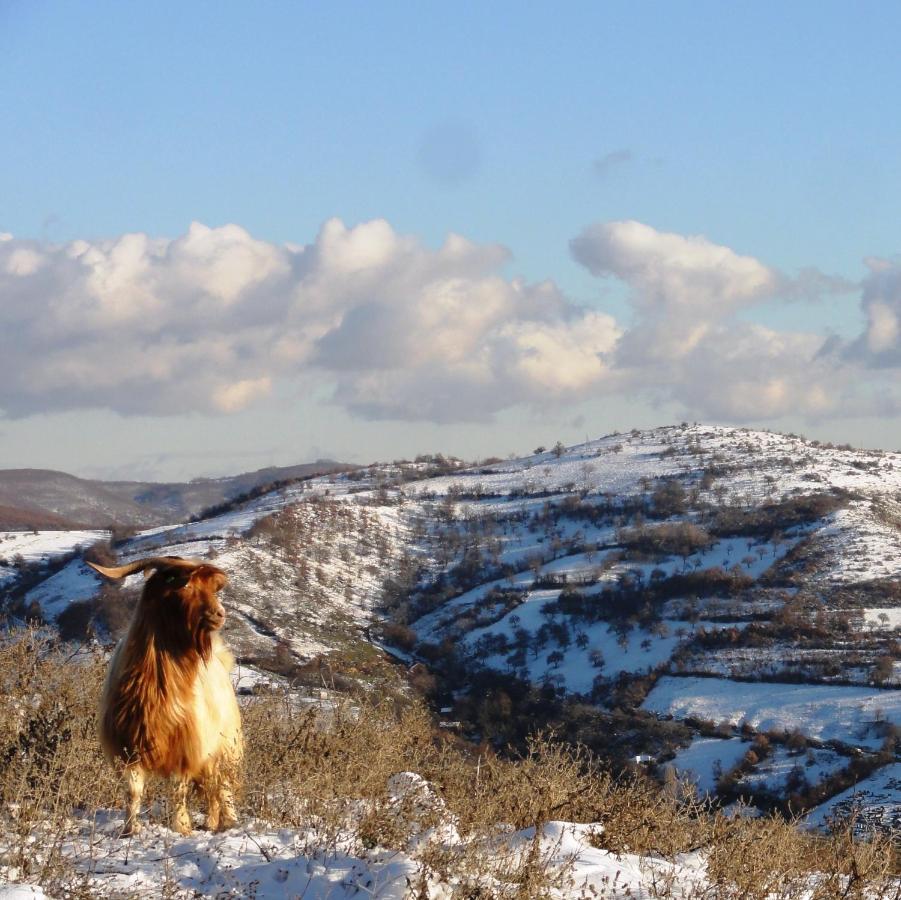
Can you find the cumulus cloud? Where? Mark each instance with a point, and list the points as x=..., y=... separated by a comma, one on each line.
x=743, y=372
x=688, y=343
x=240, y=394
x=668, y=271
x=214, y=319
x=209, y=320
x=536, y=361
x=880, y=344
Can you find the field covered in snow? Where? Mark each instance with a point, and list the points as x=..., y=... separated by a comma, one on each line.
x=705, y=759
x=851, y=715
x=784, y=770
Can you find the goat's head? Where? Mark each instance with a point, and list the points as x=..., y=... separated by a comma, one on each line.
x=179, y=600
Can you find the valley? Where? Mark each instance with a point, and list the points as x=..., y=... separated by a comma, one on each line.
x=716, y=607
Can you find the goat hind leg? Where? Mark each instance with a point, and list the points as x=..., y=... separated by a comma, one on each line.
x=221, y=813
x=181, y=819
x=213, y=807
x=134, y=790
x=218, y=784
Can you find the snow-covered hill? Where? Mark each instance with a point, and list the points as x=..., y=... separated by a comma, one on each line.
x=672, y=572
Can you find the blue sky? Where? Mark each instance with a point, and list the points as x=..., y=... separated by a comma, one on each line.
x=768, y=129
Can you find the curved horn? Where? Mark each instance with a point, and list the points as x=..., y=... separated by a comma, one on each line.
x=143, y=565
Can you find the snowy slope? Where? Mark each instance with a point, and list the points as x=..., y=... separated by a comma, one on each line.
x=497, y=548
x=40, y=547
x=824, y=712
x=874, y=801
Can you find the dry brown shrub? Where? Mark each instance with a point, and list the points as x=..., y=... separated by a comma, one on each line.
x=50, y=760
x=328, y=767
x=770, y=857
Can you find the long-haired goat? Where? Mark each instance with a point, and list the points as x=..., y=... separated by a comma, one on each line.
x=168, y=705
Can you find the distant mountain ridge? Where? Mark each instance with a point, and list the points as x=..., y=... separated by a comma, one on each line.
x=44, y=498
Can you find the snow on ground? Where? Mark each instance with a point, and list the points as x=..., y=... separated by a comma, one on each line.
x=231, y=523
x=822, y=712
x=797, y=465
x=752, y=557
x=777, y=771
x=248, y=679
x=41, y=546
x=448, y=612
x=761, y=465
x=883, y=618
x=859, y=546
x=781, y=659
x=705, y=759
x=876, y=801
x=638, y=650
x=596, y=466
x=578, y=568
x=21, y=892
x=253, y=861
x=274, y=864
x=73, y=583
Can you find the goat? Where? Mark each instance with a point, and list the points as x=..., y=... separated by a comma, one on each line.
x=168, y=706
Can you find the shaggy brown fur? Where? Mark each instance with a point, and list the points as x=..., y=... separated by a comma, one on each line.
x=168, y=706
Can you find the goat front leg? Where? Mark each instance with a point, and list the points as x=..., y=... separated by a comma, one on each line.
x=134, y=790
x=181, y=819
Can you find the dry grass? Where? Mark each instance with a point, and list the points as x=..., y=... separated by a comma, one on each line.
x=330, y=769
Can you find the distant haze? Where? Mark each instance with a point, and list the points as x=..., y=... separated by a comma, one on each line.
x=36, y=498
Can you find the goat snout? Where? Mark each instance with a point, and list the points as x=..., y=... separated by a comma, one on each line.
x=215, y=618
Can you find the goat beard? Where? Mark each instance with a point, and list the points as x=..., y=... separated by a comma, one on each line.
x=203, y=643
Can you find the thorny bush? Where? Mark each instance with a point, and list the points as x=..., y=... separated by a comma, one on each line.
x=329, y=767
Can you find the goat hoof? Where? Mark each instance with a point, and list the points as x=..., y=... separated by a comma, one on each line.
x=225, y=823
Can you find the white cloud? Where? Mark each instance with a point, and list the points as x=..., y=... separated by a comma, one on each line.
x=208, y=321
x=880, y=344
x=230, y=398
x=669, y=271
x=23, y=261
x=212, y=320
x=742, y=373
x=688, y=344
x=882, y=328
